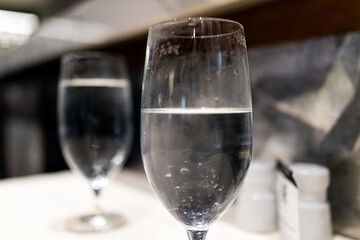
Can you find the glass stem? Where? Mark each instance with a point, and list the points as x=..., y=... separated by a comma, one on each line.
x=98, y=210
x=197, y=235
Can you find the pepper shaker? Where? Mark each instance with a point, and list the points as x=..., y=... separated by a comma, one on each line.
x=314, y=211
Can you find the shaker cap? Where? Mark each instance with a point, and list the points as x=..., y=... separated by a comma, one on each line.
x=312, y=180
x=261, y=174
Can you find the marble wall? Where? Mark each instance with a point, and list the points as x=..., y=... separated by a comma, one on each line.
x=307, y=108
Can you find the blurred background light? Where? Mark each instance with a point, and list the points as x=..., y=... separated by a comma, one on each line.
x=18, y=22
x=16, y=28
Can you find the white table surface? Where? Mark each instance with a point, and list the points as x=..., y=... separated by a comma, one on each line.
x=36, y=207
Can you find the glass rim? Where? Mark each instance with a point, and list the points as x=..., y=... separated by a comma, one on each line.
x=196, y=20
x=91, y=55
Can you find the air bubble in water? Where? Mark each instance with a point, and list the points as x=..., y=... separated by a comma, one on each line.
x=184, y=170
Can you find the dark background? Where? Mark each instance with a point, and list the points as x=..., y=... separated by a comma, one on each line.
x=30, y=94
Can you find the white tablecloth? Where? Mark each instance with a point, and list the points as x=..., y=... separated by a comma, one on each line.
x=36, y=207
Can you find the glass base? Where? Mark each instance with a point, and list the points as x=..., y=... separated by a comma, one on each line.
x=95, y=223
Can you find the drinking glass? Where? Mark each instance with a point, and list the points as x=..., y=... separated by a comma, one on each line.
x=95, y=126
x=196, y=118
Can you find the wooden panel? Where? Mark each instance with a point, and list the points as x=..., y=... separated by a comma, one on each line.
x=289, y=20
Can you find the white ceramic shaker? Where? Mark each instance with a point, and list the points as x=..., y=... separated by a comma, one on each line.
x=256, y=204
x=314, y=211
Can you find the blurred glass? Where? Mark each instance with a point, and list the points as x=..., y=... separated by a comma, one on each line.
x=95, y=126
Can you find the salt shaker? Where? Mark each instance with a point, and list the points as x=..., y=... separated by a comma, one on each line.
x=255, y=207
x=314, y=211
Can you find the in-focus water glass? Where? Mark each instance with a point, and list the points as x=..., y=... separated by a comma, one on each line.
x=196, y=118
